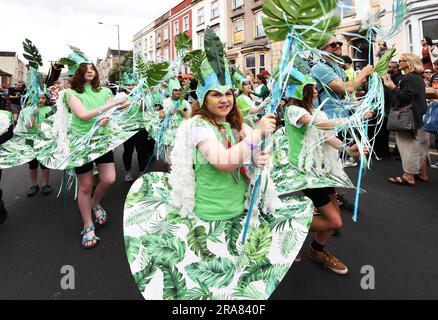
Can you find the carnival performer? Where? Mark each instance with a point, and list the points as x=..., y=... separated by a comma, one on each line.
x=245, y=102
x=87, y=100
x=199, y=209
x=175, y=110
x=313, y=151
x=37, y=116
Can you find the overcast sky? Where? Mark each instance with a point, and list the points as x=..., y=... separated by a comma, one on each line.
x=52, y=24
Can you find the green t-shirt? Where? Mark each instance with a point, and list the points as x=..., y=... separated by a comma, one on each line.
x=169, y=104
x=91, y=100
x=41, y=116
x=218, y=195
x=295, y=132
x=244, y=103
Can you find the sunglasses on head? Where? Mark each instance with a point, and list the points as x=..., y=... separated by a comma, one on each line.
x=333, y=45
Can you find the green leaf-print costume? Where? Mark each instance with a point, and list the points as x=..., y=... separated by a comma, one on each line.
x=18, y=150
x=79, y=152
x=204, y=259
x=302, y=159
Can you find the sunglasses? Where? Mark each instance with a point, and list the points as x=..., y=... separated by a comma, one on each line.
x=333, y=45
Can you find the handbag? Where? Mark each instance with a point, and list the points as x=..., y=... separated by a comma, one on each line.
x=430, y=119
x=401, y=120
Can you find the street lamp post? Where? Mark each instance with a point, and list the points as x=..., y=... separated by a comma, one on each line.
x=118, y=40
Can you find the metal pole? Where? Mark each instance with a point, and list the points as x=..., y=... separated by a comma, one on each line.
x=120, y=61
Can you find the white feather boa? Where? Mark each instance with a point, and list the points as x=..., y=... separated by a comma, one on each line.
x=61, y=125
x=182, y=176
x=5, y=123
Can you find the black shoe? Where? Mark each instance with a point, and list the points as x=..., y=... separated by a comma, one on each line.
x=33, y=191
x=343, y=203
x=47, y=190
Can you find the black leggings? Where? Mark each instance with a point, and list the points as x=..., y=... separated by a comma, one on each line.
x=33, y=165
x=144, y=148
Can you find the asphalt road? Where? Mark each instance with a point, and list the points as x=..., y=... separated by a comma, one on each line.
x=395, y=234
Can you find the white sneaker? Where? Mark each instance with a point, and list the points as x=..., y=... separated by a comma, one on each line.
x=128, y=176
x=434, y=165
x=350, y=163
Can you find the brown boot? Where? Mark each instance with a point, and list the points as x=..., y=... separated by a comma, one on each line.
x=328, y=261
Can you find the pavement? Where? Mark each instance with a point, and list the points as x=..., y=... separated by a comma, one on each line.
x=395, y=235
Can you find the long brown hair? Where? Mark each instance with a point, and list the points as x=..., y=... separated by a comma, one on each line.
x=307, y=102
x=78, y=80
x=234, y=118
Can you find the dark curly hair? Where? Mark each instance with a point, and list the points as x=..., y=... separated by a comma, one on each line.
x=78, y=80
x=234, y=118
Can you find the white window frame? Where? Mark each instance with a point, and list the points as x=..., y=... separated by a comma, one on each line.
x=201, y=10
x=176, y=28
x=254, y=69
x=237, y=4
x=258, y=19
x=215, y=7
x=421, y=20
x=158, y=37
x=201, y=36
x=166, y=33
x=234, y=25
x=186, y=23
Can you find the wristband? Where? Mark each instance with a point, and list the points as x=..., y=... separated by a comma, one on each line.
x=249, y=145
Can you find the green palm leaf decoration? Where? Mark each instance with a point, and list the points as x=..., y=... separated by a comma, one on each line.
x=289, y=240
x=201, y=293
x=383, y=64
x=183, y=42
x=217, y=273
x=232, y=233
x=197, y=240
x=195, y=59
x=175, y=218
x=217, y=228
x=304, y=15
x=32, y=54
x=144, y=277
x=249, y=292
x=259, y=242
x=164, y=250
x=175, y=287
x=132, y=248
x=152, y=72
x=262, y=270
x=215, y=54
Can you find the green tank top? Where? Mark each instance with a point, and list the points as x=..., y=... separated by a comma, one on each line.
x=218, y=195
x=91, y=100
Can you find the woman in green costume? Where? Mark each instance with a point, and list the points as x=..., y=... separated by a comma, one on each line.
x=184, y=231
x=87, y=100
x=314, y=152
x=244, y=101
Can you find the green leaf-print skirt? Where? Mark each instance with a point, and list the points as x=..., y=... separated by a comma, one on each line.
x=176, y=258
